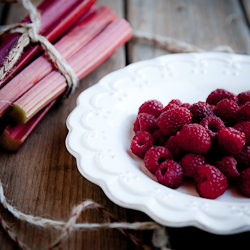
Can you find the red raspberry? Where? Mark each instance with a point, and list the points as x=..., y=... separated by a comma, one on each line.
x=169, y=174
x=174, y=103
x=244, y=97
x=173, y=119
x=155, y=156
x=244, y=127
x=189, y=163
x=227, y=110
x=145, y=122
x=220, y=94
x=141, y=142
x=210, y=181
x=231, y=141
x=243, y=158
x=243, y=183
x=227, y=166
x=194, y=138
x=200, y=110
x=244, y=112
x=185, y=105
x=172, y=145
x=213, y=125
x=152, y=107
x=170, y=106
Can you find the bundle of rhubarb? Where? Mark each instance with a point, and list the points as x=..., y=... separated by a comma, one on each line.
x=84, y=34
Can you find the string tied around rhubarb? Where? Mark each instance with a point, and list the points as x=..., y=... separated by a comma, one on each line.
x=30, y=34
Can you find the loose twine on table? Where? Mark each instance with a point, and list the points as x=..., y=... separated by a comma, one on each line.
x=30, y=34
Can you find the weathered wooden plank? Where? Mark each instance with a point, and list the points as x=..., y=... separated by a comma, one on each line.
x=206, y=24
x=42, y=178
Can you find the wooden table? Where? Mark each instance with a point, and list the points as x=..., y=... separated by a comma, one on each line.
x=42, y=178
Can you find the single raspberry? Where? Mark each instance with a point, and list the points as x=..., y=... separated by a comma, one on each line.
x=185, y=105
x=152, y=107
x=159, y=138
x=189, y=163
x=231, y=141
x=155, y=156
x=210, y=181
x=170, y=106
x=169, y=174
x=244, y=127
x=243, y=158
x=193, y=138
x=227, y=166
x=227, y=110
x=219, y=94
x=145, y=122
x=213, y=125
x=176, y=101
x=244, y=97
x=200, y=110
x=243, y=183
x=173, y=146
x=244, y=112
x=173, y=120
x=141, y=142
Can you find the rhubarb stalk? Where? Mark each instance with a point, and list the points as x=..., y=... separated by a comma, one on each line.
x=14, y=136
x=67, y=46
x=56, y=17
x=83, y=62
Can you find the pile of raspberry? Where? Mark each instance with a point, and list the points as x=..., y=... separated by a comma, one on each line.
x=207, y=142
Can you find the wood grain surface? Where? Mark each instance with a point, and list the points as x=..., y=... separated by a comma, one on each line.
x=42, y=177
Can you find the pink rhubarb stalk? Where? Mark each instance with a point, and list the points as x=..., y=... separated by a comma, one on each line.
x=56, y=16
x=67, y=46
x=14, y=136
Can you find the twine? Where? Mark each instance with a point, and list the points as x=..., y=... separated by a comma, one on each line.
x=30, y=34
x=160, y=237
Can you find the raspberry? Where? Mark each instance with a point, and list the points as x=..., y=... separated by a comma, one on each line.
x=210, y=181
x=170, y=106
x=145, y=122
x=244, y=97
x=244, y=112
x=155, y=156
x=244, y=182
x=173, y=119
x=244, y=127
x=231, y=141
x=213, y=125
x=193, y=138
x=172, y=145
x=169, y=174
x=185, y=105
x=243, y=158
x=189, y=163
x=220, y=94
x=200, y=110
x=141, y=142
x=227, y=166
x=227, y=110
x=152, y=107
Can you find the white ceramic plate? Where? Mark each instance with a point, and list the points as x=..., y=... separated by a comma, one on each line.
x=100, y=131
